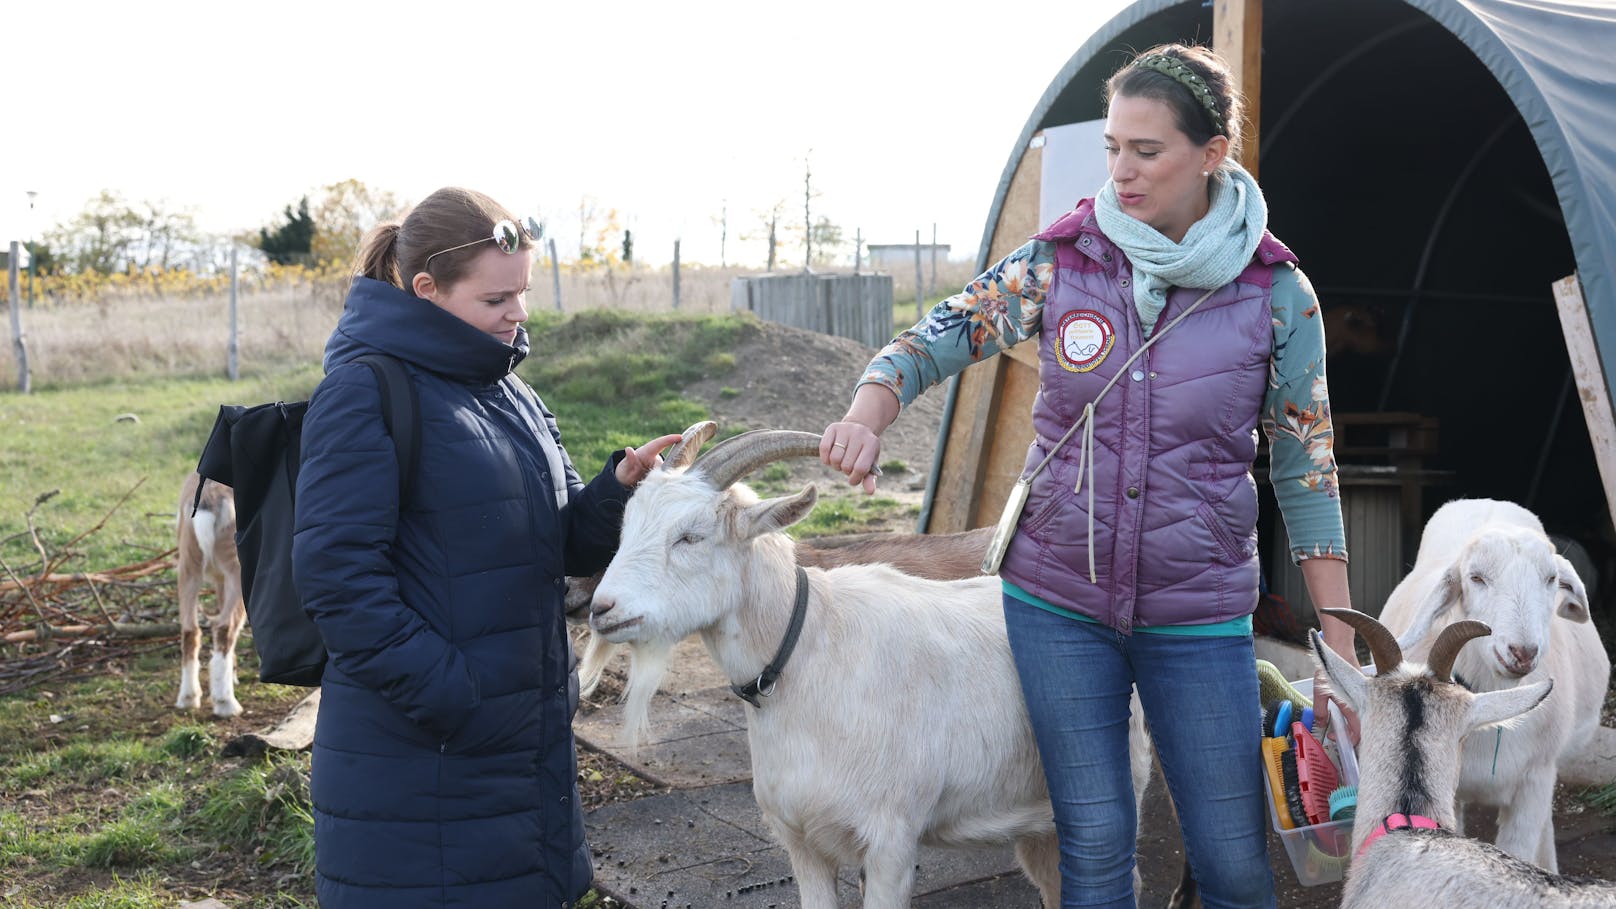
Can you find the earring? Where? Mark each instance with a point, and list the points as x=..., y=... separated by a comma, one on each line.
x=1206, y=173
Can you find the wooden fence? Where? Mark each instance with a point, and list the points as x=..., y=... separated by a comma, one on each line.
x=848, y=306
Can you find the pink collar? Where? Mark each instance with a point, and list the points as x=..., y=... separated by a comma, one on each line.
x=1397, y=822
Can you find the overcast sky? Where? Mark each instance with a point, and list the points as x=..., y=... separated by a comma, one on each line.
x=908, y=112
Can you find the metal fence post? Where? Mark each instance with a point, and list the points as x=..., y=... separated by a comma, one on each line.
x=555, y=272
x=233, y=364
x=18, y=340
x=675, y=274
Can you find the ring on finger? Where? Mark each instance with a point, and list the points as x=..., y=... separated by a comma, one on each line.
x=838, y=445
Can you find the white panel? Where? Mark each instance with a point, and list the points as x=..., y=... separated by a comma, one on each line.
x=1073, y=167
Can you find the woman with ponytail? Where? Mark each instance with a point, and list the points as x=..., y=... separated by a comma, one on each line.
x=444, y=767
x=1170, y=324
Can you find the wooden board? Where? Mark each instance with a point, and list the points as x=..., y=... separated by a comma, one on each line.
x=1592, y=387
x=1237, y=37
x=294, y=733
x=987, y=434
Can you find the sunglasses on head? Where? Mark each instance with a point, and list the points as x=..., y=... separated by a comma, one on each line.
x=507, y=235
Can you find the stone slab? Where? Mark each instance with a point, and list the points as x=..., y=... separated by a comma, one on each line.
x=696, y=738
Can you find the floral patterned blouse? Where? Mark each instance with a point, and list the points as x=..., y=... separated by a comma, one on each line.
x=1005, y=305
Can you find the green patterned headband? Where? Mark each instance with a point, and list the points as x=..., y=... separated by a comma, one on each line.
x=1179, y=71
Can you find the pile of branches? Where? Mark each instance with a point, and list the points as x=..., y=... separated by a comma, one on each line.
x=56, y=622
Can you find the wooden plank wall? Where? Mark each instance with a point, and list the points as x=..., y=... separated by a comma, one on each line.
x=848, y=306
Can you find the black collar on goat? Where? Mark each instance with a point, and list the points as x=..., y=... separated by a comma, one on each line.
x=764, y=684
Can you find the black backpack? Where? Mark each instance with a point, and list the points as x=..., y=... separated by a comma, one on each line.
x=255, y=451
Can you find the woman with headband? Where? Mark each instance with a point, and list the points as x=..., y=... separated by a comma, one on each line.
x=1170, y=324
x=444, y=772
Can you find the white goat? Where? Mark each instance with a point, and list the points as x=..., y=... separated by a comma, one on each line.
x=207, y=552
x=1490, y=561
x=1413, y=718
x=898, y=719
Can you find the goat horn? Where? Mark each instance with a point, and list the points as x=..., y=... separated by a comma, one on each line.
x=1382, y=643
x=735, y=458
x=684, y=451
x=1450, y=642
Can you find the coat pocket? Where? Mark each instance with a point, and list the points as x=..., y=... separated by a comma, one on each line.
x=1233, y=549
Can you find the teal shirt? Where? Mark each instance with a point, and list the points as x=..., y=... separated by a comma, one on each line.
x=1004, y=306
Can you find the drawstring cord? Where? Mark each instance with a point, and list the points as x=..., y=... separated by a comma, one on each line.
x=1085, y=455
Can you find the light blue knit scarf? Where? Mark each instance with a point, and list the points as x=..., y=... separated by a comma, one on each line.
x=1214, y=250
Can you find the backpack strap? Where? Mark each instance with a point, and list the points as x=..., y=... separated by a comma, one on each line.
x=401, y=410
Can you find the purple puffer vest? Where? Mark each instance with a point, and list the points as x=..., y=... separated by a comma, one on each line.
x=1175, y=524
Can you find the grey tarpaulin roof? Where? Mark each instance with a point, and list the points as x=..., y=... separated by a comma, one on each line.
x=1556, y=59
x=1447, y=158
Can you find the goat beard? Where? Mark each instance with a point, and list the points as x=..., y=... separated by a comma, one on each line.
x=597, y=653
x=647, y=665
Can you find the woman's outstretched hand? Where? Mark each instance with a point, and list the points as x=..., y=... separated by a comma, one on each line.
x=852, y=448
x=637, y=462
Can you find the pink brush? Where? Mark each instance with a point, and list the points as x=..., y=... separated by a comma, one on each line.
x=1317, y=774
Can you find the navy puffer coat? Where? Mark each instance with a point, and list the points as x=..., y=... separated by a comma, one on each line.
x=444, y=771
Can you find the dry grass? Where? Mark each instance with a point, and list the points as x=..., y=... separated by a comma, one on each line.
x=126, y=335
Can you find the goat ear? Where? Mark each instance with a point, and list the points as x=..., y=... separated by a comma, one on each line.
x=770, y=515
x=1438, y=601
x=1572, y=602
x=1346, y=679
x=1491, y=707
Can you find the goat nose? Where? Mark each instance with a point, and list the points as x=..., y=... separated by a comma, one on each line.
x=1523, y=655
x=601, y=605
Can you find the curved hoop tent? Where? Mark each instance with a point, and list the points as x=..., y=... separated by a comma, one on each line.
x=1438, y=166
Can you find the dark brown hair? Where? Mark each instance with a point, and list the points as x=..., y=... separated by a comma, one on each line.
x=396, y=252
x=1189, y=114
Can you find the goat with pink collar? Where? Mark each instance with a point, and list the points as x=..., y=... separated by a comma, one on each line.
x=1414, y=716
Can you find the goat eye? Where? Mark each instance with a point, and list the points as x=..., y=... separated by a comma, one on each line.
x=1478, y=579
x=691, y=538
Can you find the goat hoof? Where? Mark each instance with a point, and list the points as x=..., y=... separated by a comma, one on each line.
x=227, y=709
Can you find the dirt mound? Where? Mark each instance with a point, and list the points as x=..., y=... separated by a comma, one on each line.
x=791, y=378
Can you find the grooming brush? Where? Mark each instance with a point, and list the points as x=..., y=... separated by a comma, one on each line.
x=1271, y=682
x=1283, y=711
x=1343, y=744
x=1273, y=750
x=1316, y=776
x=1307, y=720
x=1293, y=788
x=1344, y=803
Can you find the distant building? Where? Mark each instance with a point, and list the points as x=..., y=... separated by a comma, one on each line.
x=893, y=257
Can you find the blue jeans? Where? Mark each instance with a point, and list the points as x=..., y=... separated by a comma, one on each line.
x=1200, y=698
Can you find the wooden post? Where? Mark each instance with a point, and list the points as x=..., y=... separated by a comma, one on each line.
x=555, y=272
x=1592, y=388
x=920, y=313
x=18, y=341
x=931, y=279
x=233, y=362
x=858, y=249
x=675, y=274
x=1237, y=37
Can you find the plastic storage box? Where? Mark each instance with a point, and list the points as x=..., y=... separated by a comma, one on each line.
x=1318, y=853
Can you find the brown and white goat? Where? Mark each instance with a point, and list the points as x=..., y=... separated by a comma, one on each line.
x=207, y=553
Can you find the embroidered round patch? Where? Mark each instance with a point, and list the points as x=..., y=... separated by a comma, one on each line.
x=1083, y=340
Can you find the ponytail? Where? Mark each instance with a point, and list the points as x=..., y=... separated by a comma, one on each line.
x=378, y=254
